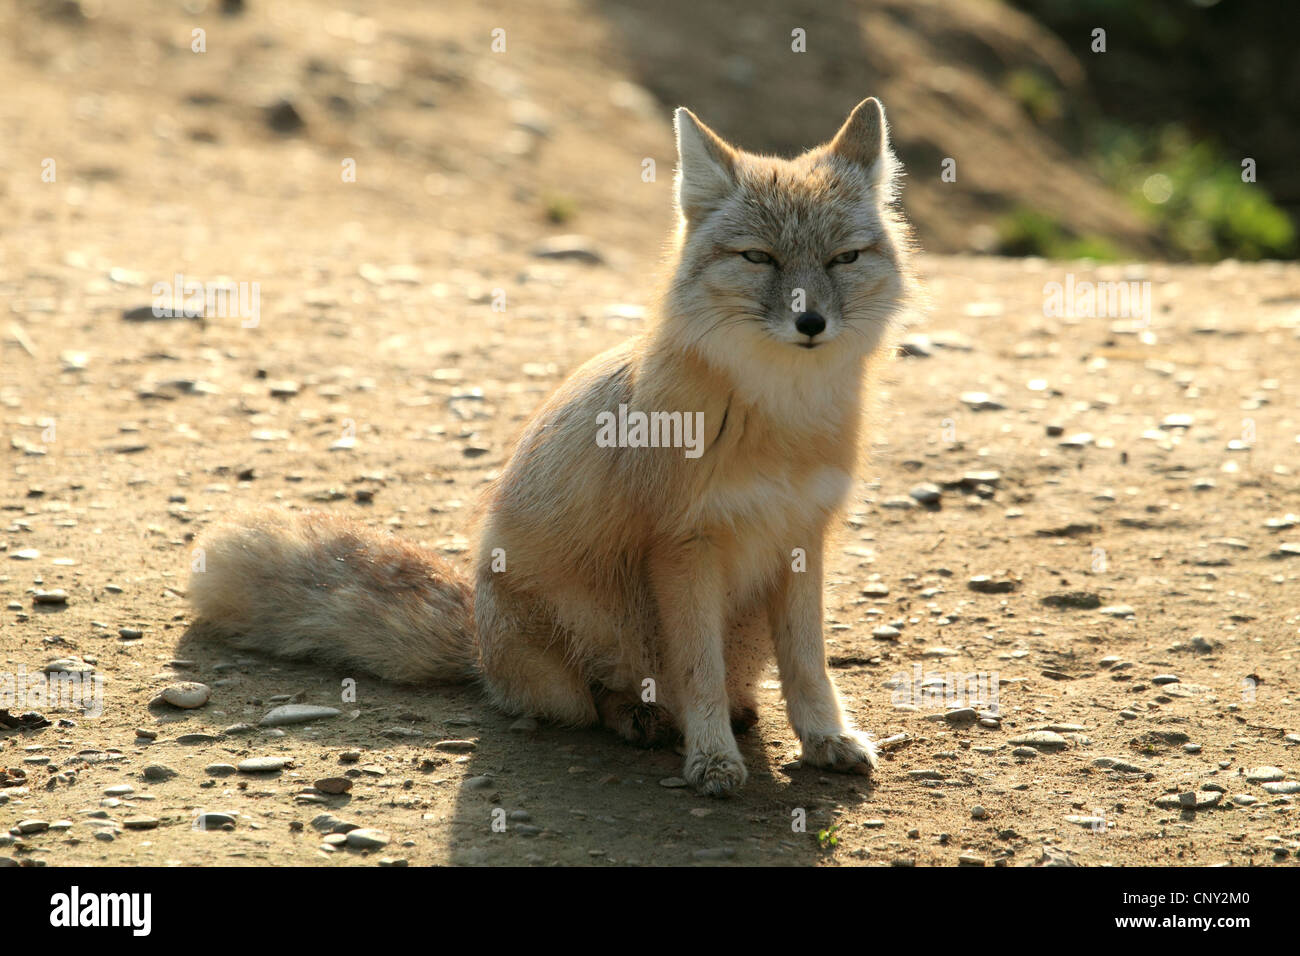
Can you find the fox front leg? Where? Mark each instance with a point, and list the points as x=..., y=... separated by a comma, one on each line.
x=825, y=734
x=690, y=594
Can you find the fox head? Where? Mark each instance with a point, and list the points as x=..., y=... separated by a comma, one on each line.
x=797, y=263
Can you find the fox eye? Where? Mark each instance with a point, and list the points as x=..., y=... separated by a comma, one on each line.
x=758, y=256
x=844, y=258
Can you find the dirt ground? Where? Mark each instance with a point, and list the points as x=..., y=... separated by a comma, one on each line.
x=1137, y=522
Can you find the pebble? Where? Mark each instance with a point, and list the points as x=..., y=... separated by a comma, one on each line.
x=961, y=715
x=1165, y=679
x=140, y=823
x=524, y=725
x=927, y=494
x=886, y=632
x=333, y=785
x=157, y=773
x=296, y=714
x=1042, y=739
x=456, y=746
x=985, y=584
x=121, y=790
x=672, y=783
x=27, y=827
x=970, y=859
x=56, y=596
x=1200, y=800
x=264, y=764
x=977, y=812
x=220, y=769
x=578, y=248
x=209, y=820
x=981, y=402
x=1024, y=752
x=1282, y=786
x=875, y=590
x=187, y=694
x=366, y=838
x=1117, y=610
x=1264, y=775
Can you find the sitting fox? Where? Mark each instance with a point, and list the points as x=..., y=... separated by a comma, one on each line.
x=629, y=583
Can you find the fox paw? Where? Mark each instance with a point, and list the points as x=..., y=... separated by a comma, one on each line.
x=844, y=751
x=716, y=774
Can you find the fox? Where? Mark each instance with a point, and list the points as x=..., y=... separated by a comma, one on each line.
x=632, y=584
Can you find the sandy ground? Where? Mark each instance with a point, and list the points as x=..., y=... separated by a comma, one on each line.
x=1145, y=471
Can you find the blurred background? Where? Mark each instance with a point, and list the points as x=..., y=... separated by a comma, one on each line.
x=1131, y=153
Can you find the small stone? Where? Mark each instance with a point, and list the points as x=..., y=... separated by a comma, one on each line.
x=1200, y=800
x=157, y=773
x=366, y=838
x=264, y=764
x=456, y=746
x=187, y=694
x=220, y=769
x=981, y=402
x=524, y=725
x=1264, y=775
x=28, y=827
x=1165, y=679
x=1041, y=739
x=121, y=790
x=283, y=117
x=927, y=493
x=1282, y=786
x=672, y=783
x=970, y=859
x=961, y=715
x=55, y=596
x=985, y=584
x=875, y=590
x=578, y=248
x=886, y=632
x=209, y=820
x=1117, y=610
x=333, y=785
x=977, y=812
x=296, y=714
x=140, y=823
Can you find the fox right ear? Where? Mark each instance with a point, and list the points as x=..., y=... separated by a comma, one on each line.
x=706, y=166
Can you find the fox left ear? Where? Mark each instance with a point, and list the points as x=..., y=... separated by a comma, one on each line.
x=864, y=137
x=705, y=168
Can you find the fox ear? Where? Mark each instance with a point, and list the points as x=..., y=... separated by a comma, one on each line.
x=864, y=137
x=706, y=166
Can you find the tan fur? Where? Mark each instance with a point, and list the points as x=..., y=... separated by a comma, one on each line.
x=635, y=573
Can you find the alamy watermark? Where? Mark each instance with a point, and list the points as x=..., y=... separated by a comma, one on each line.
x=949, y=689
x=1091, y=300
x=20, y=690
x=651, y=430
x=191, y=299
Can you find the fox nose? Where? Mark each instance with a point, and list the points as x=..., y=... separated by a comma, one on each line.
x=810, y=324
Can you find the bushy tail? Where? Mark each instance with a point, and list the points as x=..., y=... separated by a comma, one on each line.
x=315, y=586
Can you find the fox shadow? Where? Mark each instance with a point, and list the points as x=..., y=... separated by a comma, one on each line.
x=470, y=785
